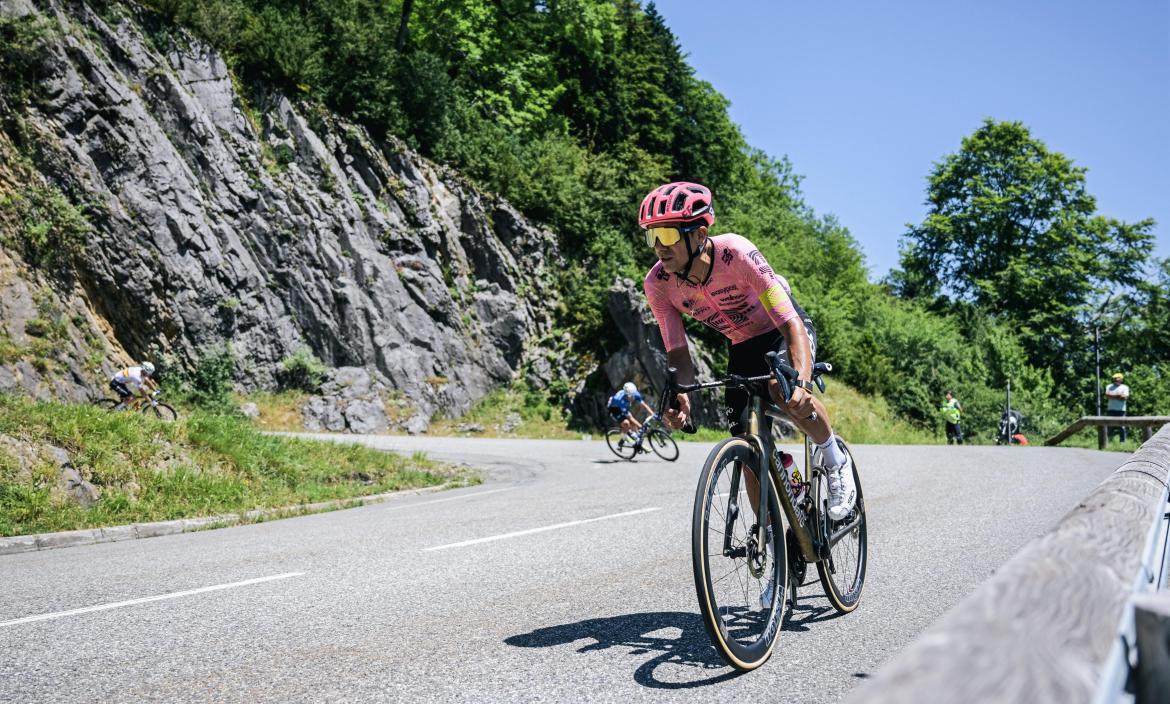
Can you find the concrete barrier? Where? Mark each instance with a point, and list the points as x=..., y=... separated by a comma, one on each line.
x=1043, y=628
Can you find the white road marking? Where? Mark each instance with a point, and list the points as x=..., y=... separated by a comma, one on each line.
x=144, y=600
x=530, y=531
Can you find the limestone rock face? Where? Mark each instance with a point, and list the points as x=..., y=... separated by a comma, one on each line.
x=263, y=223
x=351, y=399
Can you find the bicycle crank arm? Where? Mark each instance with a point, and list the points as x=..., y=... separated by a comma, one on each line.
x=841, y=533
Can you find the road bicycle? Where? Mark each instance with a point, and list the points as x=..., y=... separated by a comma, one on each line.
x=652, y=432
x=756, y=526
x=147, y=405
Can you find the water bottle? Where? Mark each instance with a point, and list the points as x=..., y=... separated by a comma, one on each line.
x=792, y=476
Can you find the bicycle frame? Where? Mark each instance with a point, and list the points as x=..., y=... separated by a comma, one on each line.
x=759, y=435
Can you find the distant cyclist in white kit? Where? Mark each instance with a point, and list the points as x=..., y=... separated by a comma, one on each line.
x=133, y=381
x=726, y=283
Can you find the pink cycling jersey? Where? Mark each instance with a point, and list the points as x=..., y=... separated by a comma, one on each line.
x=742, y=297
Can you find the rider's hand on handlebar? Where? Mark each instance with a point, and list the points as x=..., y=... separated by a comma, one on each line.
x=676, y=418
x=801, y=403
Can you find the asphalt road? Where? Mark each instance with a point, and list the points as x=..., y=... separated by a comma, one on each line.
x=390, y=603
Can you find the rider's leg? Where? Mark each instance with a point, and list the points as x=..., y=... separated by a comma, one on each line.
x=836, y=461
x=123, y=393
x=628, y=428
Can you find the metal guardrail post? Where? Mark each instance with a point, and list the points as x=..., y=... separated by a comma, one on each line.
x=1152, y=629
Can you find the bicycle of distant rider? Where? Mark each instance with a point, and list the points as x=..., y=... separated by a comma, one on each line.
x=653, y=432
x=745, y=573
x=147, y=405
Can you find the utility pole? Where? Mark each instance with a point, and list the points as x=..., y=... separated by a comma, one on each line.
x=1097, y=354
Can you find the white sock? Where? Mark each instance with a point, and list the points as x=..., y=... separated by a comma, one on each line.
x=833, y=455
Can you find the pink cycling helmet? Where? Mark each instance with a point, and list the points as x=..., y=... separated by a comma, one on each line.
x=680, y=201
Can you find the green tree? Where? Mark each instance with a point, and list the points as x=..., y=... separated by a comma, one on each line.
x=1012, y=229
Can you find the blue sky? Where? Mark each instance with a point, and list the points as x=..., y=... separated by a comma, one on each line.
x=865, y=97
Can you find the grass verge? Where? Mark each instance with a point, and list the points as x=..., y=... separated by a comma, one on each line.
x=517, y=412
x=203, y=465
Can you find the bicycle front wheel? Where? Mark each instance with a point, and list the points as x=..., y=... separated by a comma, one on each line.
x=741, y=584
x=161, y=411
x=616, y=439
x=843, y=572
x=663, y=445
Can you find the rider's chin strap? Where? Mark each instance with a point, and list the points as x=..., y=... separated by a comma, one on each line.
x=692, y=255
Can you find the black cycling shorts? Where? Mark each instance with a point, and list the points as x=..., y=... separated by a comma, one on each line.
x=617, y=414
x=748, y=359
x=120, y=388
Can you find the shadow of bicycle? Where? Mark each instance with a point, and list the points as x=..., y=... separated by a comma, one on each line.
x=682, y=654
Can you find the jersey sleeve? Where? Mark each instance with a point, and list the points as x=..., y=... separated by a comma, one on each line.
x=755, y=273
x=670, y=322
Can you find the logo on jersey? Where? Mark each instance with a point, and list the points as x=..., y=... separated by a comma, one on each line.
x=738, y=318
x=661, y=274
x=734, y=298
x=700, y=310
x=716, y=321
x=687, y=303
x=727, y=256
x=724, y=290
x=757, y=258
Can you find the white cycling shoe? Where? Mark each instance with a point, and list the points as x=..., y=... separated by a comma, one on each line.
x=842, y=490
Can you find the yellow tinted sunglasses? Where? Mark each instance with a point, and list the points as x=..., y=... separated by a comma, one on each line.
x=667, y=235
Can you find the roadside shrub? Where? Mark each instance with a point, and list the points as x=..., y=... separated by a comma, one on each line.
x=301, y=370
x=208, y=385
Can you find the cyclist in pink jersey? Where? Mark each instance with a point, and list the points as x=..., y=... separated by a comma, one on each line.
x=725, y=282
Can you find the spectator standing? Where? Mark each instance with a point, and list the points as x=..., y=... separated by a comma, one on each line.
x=952, y=412
x=1118, y=394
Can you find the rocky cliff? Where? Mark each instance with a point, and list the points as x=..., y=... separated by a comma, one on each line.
x=247, y=219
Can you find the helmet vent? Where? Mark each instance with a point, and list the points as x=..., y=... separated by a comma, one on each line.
x=679, y=201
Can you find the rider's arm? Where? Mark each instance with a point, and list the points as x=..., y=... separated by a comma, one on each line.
x=646, y=407
x=674, y=338
x=799, y=347
x=772, y=294
x=680, y=358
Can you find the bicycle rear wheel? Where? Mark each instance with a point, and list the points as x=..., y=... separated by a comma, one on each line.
x=741, y=585
x=663, y=445
x=843, y=572
x=106, y=403
x=615, y=438
x=161, y=411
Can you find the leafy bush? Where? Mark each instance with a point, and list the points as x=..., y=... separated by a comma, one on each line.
x=301, y=370
x=23, y=42
x=208, y=385
x=51, y=229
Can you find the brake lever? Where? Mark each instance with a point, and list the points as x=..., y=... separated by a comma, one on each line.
x=778, y=371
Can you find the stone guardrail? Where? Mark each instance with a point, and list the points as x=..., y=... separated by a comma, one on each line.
x=1046, y=626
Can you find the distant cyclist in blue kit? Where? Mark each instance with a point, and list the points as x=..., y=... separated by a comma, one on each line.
x=619, y=409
